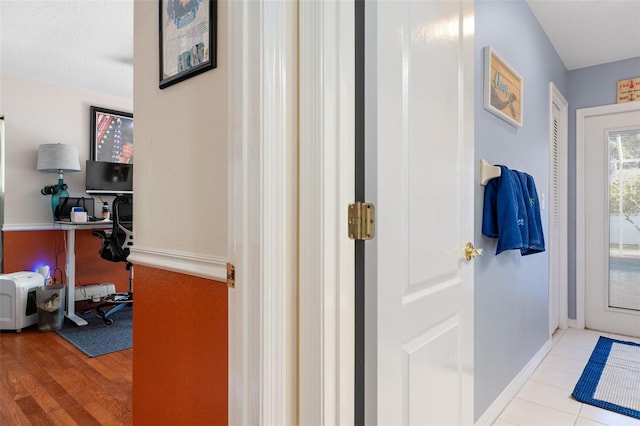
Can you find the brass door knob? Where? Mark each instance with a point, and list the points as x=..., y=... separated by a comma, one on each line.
x=470, y=252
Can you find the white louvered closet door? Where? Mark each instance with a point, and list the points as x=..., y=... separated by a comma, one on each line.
x=554, y=222
x=557, y=238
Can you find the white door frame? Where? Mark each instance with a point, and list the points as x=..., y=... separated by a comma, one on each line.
x=581, y=120
x=262, y=55
x=560, y=254
x=327, y=186
x=269, y=383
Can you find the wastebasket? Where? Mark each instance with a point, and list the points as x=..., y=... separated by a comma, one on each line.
x=51, y=303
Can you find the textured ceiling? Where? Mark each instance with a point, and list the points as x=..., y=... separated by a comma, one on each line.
x=89, y=43
x=82, y=43
x=590, y=32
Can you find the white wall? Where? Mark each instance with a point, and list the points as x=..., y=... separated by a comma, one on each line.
x=181, y=157
x=37, y=113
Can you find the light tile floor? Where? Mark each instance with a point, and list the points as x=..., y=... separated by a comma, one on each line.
x=545, y=399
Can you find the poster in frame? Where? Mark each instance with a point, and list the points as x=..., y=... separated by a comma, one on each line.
x=111, y=136
x=187, y=39
x=503, y=88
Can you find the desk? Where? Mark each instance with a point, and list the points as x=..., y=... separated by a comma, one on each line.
x=71, y=227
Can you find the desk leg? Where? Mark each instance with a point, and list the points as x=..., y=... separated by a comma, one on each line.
x=71, y=278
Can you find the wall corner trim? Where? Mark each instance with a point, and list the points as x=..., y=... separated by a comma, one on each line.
x=186, y=263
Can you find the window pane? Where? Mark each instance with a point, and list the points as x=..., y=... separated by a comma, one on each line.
x=624, y=220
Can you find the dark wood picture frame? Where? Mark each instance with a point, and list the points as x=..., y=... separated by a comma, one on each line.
x=111, y=136
x=187, y=39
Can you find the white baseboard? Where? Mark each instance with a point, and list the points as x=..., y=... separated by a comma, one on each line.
x=494, y=410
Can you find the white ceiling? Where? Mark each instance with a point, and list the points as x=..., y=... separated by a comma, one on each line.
x=590, y=32
x=89, y=43
x=82, y=43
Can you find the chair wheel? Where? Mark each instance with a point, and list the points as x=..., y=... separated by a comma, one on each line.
x=108, y=321
x=100, y=314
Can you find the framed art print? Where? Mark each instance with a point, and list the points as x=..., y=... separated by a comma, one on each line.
x=628, y=90
x=503, y=88
x=111, y=136
x=187, y=39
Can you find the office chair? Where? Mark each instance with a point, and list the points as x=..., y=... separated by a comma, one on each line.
x=115, y=248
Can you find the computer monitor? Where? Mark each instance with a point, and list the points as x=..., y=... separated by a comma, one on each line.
x=108, y=178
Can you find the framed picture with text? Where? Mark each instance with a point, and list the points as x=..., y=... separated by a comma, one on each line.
x=629, y=90
x=503, y=88
x=111, y=136
x=187, y=39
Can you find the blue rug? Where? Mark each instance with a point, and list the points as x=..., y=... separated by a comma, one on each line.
x=95, y=339
x=611, y=378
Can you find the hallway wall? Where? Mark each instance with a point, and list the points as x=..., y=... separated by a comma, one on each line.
x=180, y=338
x=511, y=291
x=180, y=335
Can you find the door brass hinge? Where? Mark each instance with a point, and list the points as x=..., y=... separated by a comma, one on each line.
x=231, y=276
x=362, y=221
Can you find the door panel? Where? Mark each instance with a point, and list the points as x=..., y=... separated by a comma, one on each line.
x=419, y=143
x=427, y=357
x=602, y=265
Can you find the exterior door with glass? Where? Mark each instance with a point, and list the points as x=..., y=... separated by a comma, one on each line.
x=612, y=219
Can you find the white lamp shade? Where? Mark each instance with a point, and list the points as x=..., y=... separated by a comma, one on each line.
x=57, y=157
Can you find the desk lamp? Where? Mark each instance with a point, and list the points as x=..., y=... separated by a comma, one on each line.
x=57, y=158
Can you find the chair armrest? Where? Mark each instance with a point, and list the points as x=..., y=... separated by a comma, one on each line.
x=100, y=234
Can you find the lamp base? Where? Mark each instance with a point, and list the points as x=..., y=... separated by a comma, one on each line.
x=55, y=198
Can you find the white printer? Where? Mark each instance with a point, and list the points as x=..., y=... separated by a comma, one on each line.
x=18, y=300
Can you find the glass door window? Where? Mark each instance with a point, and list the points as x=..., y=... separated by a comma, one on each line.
x=624, y=220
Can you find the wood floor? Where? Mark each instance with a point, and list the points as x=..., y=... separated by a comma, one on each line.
x=45, y=380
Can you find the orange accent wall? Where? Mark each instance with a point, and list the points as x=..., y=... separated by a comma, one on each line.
x=180, y=349
x=26, y=250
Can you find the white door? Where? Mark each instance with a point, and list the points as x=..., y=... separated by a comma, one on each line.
x=557, y=238
x=612, y=219
x=419, y=147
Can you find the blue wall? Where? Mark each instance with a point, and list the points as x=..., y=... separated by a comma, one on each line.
x=511, y=291
x=588, y=87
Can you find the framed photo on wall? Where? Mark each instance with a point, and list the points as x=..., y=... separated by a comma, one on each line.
x=111, y=136
x=187, y=39
x=503, y=88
